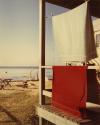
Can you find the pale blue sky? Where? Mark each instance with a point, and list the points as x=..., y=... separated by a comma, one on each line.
x=19, y=28
x=16, y=32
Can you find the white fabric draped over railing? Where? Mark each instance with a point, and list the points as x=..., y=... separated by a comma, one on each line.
x=73, y=35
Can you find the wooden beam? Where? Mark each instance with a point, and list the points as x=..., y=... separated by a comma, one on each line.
x=70, y=4
x=89, y=67
x=42, y=50
x=58, y=2
x=41, y=54
x=93, y=107
x=66, y=3
x=47, y=93
x=95, y=8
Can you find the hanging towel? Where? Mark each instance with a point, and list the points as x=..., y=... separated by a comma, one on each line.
x=69, y=88
x=73, y=35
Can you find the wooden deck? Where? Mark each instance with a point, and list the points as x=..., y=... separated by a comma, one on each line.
x=58, y=117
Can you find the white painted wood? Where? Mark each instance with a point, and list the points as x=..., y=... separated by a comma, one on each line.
x=41, y=53
x=41, y=48
x=96, y=25
x=93, y=107
x=58, y=117
x=47, y=93
x=89, y=67
x=53, y=117
x=47, y=67
x=93, y=67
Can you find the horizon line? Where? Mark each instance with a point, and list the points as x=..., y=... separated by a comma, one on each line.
x=19, y=66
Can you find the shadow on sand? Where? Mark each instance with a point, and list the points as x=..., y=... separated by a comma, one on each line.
x=12, y=118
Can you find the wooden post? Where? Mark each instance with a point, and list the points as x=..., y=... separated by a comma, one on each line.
x=41, y=54
x=42, y=50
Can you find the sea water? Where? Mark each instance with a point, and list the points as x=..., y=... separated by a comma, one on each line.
x=23, y=73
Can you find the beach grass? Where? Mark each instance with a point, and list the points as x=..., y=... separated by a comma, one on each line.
x=17, y=104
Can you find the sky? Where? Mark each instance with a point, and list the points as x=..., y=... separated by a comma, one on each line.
x=19, y=32
x=16, y=32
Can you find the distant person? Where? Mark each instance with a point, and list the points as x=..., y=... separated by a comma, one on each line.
x=25, y=84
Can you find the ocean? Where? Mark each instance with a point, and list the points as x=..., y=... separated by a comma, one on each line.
x=22, y=73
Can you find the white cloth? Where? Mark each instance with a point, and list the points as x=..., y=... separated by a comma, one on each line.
x=73, y=35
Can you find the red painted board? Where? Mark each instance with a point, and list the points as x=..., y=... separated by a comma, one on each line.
x=70, y=88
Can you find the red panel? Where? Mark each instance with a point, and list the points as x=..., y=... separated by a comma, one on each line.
x=69, y=88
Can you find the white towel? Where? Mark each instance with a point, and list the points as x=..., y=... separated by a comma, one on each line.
x=73, y=35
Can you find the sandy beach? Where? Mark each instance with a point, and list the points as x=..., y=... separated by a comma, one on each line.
x=17, y=104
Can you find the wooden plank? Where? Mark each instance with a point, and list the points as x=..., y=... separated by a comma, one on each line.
x=93, y=107
x=46, y=67
x=47, y=93
x=42, y=50
x=89, y=67
x=41, y=53
x=93, y=67
x=53, y=117
x=58, y=117
x=66, y=3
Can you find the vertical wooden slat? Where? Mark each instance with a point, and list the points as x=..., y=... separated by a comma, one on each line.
x=41, y=54
x=42, y=50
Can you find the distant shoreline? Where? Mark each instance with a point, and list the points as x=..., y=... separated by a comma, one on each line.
x=22, y=67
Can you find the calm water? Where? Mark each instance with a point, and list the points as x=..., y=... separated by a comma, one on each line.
x=22, y=73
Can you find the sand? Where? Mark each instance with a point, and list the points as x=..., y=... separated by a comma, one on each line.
x=17, y=104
